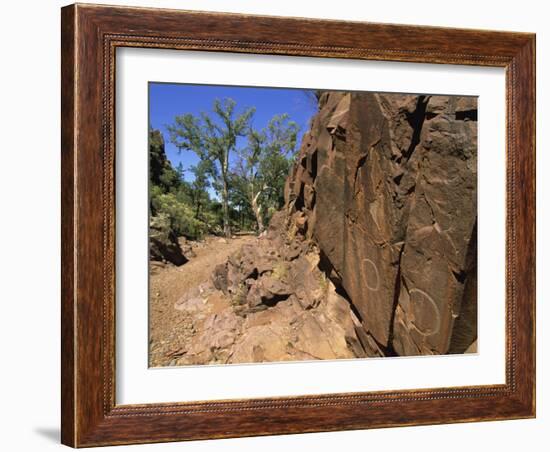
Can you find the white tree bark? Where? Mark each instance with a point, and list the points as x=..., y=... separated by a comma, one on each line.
x=257, y=209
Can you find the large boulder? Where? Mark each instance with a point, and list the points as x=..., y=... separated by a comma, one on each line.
x=163, y=243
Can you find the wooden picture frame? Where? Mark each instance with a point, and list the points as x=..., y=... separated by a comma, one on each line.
x=90, y=36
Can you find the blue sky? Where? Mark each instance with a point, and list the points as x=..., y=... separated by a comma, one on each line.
x=167, y=100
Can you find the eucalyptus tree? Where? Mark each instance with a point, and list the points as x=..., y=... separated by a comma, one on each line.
x=264, y=163
x=200, y=185
x=213, y=139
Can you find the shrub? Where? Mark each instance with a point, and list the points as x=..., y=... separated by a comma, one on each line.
x=171, y=214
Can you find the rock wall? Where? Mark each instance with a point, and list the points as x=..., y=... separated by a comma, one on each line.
x=386, y=186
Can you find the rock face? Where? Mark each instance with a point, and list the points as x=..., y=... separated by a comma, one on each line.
x=386, y=185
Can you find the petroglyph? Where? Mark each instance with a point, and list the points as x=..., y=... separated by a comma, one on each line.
x=370, y=270
x=436, y=317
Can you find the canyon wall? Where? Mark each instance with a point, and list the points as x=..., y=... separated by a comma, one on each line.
x=386, y=186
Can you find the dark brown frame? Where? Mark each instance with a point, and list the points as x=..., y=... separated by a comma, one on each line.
x=90, y=35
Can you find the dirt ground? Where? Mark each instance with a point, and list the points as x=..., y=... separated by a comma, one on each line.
x=169, y=328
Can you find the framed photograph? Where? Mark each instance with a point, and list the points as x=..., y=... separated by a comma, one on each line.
x=281, y=225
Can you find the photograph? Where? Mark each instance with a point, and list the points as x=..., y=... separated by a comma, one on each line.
x=277, y=220
x=292, y=224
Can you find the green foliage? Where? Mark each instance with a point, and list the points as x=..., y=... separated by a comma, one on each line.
x=263, y=166
x=180, y=216
x=172, y=200
x=200, y=185
x=213, y=139
x=249, y=181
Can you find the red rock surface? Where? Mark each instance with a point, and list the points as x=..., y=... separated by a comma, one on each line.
x=385, y=185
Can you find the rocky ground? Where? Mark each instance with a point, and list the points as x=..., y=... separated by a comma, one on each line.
x=169, y=328
x=266, y=300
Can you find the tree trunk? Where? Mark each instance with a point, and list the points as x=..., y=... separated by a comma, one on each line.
x=257, y=209
x=197, y=210
x=225, y=197
x=225, y=194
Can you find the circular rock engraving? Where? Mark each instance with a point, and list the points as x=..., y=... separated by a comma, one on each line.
x=372, y=277
x=420, y=297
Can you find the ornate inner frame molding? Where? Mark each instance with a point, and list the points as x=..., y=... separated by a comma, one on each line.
x=90, y=36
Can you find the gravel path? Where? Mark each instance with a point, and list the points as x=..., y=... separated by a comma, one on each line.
x=168, y=327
